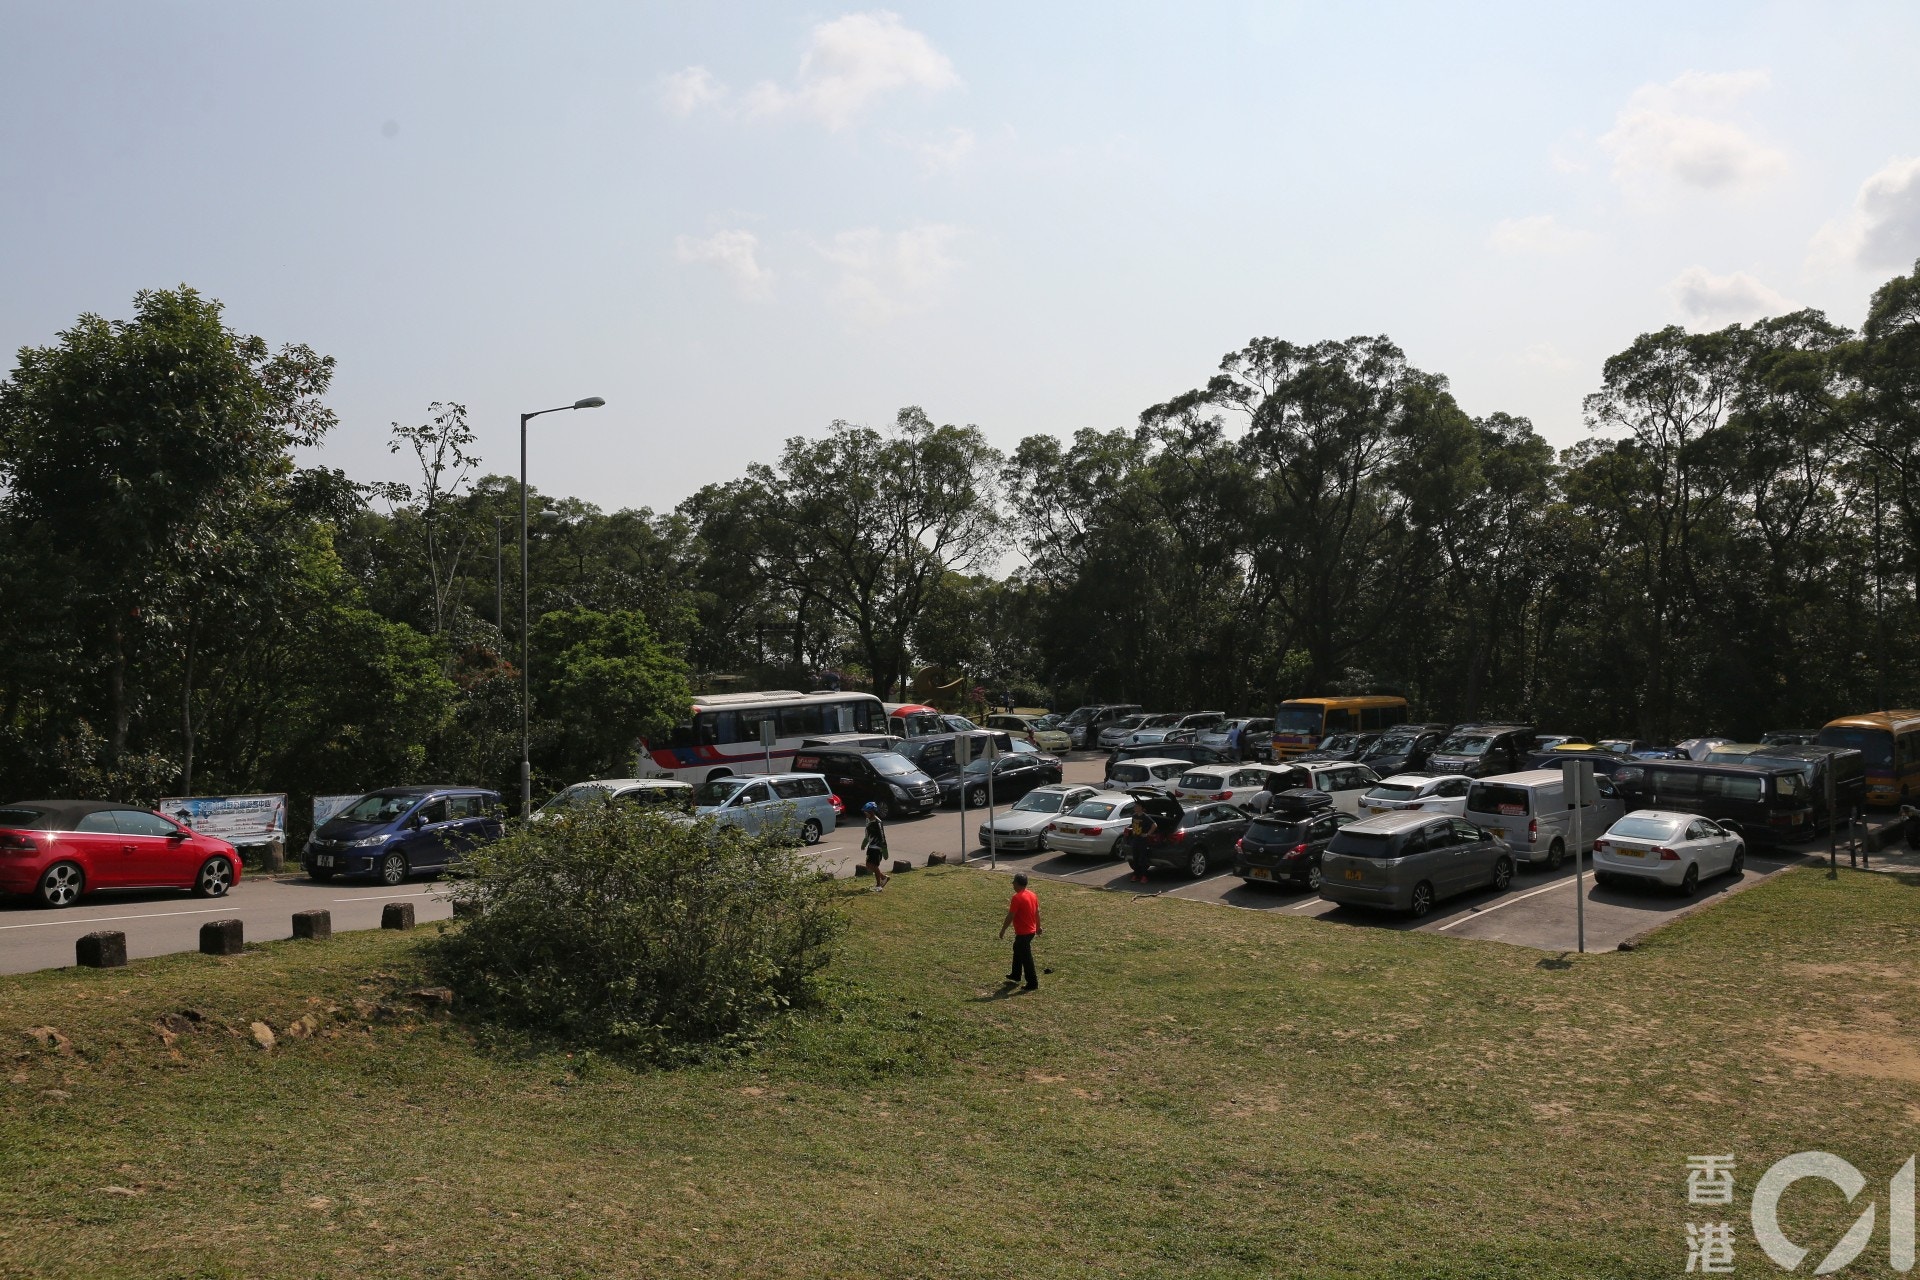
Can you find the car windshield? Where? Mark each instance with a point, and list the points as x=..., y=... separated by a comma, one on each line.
x=890, y=763
x=1158, y=722
x=1734, y=755
x=1277, y=829
x=1078, y=716
x=1875, y=745
x=579, y=796
x=1040, y=802
x=1619, y=745
x=1297, y=720
x=381, y=806
x=717, y=791
x=1464, y=745
x=1637, y=827
x=1094, y=809
x=1362, y=844
x=1392, y=791
x=1390, y=746
x=1339, y=742
x=1128, y=773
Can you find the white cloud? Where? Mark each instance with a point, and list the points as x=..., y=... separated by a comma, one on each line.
x=685, y=92
x=886, y=275
x=1883, y=229
x=736, y=254
x=943, y=155
x=1707, y=301
x=1672, y=130
x=849, y=64
x=1544, y=355
x=1542, y=234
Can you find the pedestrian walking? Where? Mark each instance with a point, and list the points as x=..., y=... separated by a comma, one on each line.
x=875, y=845
x=1233, y=741
x=1023, y=915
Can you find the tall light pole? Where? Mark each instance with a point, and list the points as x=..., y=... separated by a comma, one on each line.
x=526, y=686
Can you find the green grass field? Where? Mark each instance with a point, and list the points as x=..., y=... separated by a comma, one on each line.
x=1195, y=1092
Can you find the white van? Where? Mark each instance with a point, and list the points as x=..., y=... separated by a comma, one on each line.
x=1530, y=812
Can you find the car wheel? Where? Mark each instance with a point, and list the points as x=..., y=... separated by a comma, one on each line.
x=1197, y=863
x=719, y=773
x=1502, y=873
x=1739, y=859
x=1422, y=900
x=810, y=831
x=1556, y=854
x=393, y=869
x=1690, y=882
x=977, y=797
x=322, y=874
x=60, y=885
x=884, y=808
x=215, y=878
x=1604, y=879
x=1313, y=878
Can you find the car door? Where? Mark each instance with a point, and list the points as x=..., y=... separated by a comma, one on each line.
x=156, y=851
x=1230, y=823
x=426, y=842
x=106, y=858
x=1706, y=842
x=752, y=806
x=467, y=823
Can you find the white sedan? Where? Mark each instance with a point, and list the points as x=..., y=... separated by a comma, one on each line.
x=1147, y=771
x=1233, y=783
x=1427, y=792
x=1094, y=826
x=1658, y=846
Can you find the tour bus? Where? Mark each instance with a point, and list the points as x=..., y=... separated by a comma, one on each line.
x=721, y=734
x=1300, y=725
x=1889, y=742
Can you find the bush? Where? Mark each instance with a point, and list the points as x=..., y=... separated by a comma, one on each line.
x=638, y=933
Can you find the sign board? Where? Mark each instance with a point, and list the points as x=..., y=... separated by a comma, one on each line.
x=235, y=819
x=992, y=747
x=963, y=751
x=769, y=732
x=325, y=807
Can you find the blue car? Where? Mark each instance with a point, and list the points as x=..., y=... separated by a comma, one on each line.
x=799, y=804
x=401, y=831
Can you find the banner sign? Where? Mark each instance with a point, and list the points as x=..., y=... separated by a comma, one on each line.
x=235, y=819
x=325, y=807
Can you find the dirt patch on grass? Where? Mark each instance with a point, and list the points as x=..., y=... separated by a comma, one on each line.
x=1870, y=1055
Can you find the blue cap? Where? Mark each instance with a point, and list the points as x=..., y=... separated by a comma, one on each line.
x=871, y=807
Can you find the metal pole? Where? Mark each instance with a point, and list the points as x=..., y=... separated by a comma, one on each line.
x=993, y=833
x=1579, y=883
x=526, y=686
x=499, y=576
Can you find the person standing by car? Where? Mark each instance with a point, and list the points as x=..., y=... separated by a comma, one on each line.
x=875, y=845
x=1260, y=801
x=1023, y=913
x=1233, y=742
x=1142, y=827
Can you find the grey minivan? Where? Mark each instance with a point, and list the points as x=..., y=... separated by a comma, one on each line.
x=1408, y=860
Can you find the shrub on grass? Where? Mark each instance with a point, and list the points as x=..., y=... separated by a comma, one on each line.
x=639, y=933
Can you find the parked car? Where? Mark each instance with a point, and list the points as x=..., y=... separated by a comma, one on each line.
x=933, y=754
x=1094, y=826
x=1182, y=728
x=1697, y=749
x=1530, y=811
x=1548, y=741
x=1404, y=748
x=1145, y=771
x=1045, y=737
x=1789, y=737
x=1763, y=802
x=1731, y=752
x=1849, y=769
x=913, y=719
x=1086, y=723
x=1151, y=730
x=1285, y=844
x=638, y=793
x=886, y=779
x=1024, y=827
x=1011, y=775
x=957, y=724
x=1624, y=746
x=1606, y=763
x=1191, y=752
x=1481, y=750
x=1409, y=861
x=403, y=831
x=1115, y=734
x=1189, y=839
x=1345, y=783
x=62, y=850
x=1256, y=737
x=1659, y=846
x=801, y=804
x=1234, y=784
x=1427, y=792
x=1340, y=746
x=857, y=741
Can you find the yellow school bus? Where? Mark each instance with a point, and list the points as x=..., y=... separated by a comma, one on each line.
x=1890, y=743
x=1299, y=725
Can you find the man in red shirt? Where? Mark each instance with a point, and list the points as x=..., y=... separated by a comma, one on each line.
x=1023, y=913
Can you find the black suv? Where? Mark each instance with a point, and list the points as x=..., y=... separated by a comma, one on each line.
x=1284, y=844
x=1403, y=748
x=1483, y=750
x=886, y=778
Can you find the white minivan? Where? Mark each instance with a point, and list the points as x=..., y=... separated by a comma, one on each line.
x=1530, y=812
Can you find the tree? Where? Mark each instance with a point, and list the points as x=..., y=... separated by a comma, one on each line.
x=602, y=683
x=441, y=447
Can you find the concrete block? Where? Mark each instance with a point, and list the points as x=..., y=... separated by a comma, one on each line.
x=315, y=926
x=223, y=938
x=106, y=949
x=397, y=915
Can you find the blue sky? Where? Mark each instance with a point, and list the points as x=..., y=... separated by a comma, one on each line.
x=740, y=222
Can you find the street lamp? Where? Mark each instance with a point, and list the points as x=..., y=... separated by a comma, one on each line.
x=526, y=687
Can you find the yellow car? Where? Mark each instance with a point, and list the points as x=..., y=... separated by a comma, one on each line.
x=1026, y=727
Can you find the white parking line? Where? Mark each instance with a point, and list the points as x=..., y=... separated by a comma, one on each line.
x=150, y=915
x=1310, y=902
x=1475, y=915
x=424, y=893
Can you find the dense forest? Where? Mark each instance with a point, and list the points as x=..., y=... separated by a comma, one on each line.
x=1735, y=546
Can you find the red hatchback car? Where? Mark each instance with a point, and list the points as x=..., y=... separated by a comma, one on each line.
x=58, y=850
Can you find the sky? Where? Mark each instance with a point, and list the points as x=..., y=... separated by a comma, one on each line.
x=741, y=222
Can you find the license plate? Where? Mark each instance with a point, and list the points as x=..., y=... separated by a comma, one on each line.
x=1374, y=808
x=1499, y=831
x=1354, y=873
x=1260, y=873
x=1631, y=853
x=322, y=859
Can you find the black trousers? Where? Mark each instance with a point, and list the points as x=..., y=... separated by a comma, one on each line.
x=1023, y=960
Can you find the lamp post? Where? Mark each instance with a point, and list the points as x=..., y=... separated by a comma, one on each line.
x=526, y=687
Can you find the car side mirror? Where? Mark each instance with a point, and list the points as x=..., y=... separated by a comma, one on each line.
x=177, y=834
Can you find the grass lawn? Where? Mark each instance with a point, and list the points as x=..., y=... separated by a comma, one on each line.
x=1194, y=1092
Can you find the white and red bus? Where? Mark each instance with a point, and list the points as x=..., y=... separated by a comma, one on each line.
x=721, y=734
